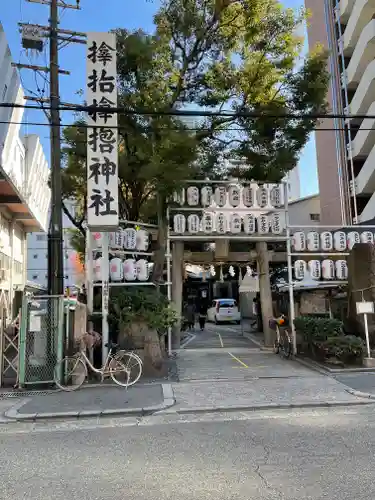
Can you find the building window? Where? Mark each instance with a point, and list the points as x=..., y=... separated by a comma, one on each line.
x=41, y=237
x=315, y=217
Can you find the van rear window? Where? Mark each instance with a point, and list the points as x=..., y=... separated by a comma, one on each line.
x=228, y=303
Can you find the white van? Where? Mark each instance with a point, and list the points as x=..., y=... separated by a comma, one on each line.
x=224, y=310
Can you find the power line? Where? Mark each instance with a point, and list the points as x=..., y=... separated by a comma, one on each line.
x=190, y=129
x=192, y=113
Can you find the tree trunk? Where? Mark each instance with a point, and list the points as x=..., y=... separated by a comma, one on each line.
x=153, y=356
x=265, y=292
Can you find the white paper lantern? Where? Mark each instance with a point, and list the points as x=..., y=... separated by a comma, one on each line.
x=97, y=240
x=97, y=269
x=263, y=224
x=206, y=196
x=312, y=241
x=339, y=241
x=130, y=270
x=300, y=269
x=142, y=240
x=179, y=197
x=262, y=197
x=142, y=270
x=192, y=196
x=249, y=224
x=212, y=270
x=221, y=223
x=235, y=223
x=276, y=227
x=234, y=195
x=116, y=269
x=179, y=223
x=353, y=238
x=326, y=241
x=314, y=269
x=328, y=269
x=193, y=223
x=130, y=238
x=367, y=237
x=249, y=271
x=277, y=196
x=220, y=196
x=299, y=241
x=116, y=239
x=207, y=223
x=248, y=196
x=231, y=271
x=341, y=268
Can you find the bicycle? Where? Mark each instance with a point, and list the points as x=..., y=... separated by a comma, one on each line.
x=71, y=372
x=283, y=344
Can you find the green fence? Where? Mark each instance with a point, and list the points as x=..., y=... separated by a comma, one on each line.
x=41, y=339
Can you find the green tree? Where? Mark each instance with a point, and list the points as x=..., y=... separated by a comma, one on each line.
x=210, y=55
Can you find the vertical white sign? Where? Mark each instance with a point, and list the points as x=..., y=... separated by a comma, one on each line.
x=102, y=136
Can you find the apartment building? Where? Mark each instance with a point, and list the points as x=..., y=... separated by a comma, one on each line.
x=37, y=255
x=24, y=192
x=346, y=158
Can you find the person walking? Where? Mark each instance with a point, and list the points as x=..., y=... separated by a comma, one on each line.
x=190, y=311
x=202, y=316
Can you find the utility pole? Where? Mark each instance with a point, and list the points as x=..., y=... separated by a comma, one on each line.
x=55, y=232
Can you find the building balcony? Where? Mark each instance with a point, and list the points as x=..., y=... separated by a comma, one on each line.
x=365, y=139
x=344, y=10
x=365, y=180
x=24, y=190
x=364, y=95
x=362, y=11
x=363, y=55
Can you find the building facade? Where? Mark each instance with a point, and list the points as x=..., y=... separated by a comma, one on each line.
x=345, y=157
x=37, y=255
x=24, y=192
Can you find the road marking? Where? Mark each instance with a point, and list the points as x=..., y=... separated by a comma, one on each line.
x=188, y=341
x=239, y=361
x=221, y=340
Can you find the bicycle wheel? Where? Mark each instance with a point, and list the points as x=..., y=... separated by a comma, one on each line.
x=70, y=373
x=276, y=345
x=125, y=368
x=286, y=345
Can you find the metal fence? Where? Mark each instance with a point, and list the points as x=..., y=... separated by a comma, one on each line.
x=42, y=337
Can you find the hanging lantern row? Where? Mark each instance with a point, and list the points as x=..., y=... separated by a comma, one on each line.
x=231, y=271
x=221, y=223
x=221, y=195
x=326, y=241
x=327, y=269
x=128, y=239
x=127, y=270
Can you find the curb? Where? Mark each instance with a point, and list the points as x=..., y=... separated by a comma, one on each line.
x=168, y=401
x=360, y=394
x=269, y=406
x=325, y=370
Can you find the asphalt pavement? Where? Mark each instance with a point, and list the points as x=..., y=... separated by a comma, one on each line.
x=273, y=455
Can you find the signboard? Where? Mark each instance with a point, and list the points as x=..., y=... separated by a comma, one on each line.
x=365, y=307
x=102, y=136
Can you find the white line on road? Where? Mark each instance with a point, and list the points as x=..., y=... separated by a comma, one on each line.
x=192, y=337
x=221, y=340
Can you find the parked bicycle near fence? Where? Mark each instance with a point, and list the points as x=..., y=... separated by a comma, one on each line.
x=283, y=344
x=124, y=367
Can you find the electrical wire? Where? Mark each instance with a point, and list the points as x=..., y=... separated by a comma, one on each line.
x=203, y=114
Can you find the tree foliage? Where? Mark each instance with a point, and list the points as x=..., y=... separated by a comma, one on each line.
x=211, y=55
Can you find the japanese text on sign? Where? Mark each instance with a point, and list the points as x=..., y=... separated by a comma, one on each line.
x=102, y=136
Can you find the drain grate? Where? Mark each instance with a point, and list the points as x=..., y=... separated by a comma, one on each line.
x=24, y=394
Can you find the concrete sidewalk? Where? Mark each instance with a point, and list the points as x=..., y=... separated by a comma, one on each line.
x=256, y=394
x=93, y=401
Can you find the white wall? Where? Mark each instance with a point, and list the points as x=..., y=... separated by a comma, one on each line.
x=37, y=252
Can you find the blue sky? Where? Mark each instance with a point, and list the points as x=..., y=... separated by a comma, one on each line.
x=100, y=15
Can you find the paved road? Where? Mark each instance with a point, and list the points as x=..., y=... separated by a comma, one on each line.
x=227, y=335
x=305, y=455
